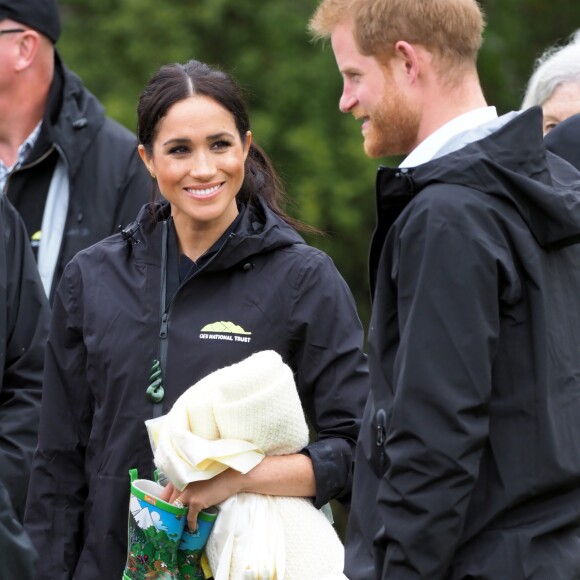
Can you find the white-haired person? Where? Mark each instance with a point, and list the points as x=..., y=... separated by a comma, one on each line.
x=555, y=83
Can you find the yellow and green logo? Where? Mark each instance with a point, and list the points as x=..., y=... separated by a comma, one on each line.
x=224, y=331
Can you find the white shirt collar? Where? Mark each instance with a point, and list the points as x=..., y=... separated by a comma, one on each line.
x=428, y=149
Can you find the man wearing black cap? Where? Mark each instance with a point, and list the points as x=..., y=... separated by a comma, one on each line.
x=73, y=173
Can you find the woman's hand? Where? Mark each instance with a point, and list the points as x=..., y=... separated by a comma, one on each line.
x=167, y=492
x=200, y=495
x=289, y=475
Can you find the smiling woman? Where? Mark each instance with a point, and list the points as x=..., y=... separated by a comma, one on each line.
x=207, y=276
x=198, y=159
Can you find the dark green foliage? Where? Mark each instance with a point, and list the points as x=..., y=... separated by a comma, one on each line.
x=189, y=563
x=293, y=89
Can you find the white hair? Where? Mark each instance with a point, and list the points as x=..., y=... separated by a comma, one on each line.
x=556, y=66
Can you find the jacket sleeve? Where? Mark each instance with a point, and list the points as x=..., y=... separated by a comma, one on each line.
x=331, y=373
x=58, y=489
x=446, y=264
x=27, y=320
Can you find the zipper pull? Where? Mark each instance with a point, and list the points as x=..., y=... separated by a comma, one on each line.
x=163, y=327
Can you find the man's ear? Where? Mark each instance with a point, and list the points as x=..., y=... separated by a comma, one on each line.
x=25, y=49
x=407, y=57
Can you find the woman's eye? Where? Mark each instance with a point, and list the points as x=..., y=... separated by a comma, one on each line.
x=221, y=145
x=178, y=150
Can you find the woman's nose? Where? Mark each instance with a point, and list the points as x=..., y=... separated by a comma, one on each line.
x=203, y=166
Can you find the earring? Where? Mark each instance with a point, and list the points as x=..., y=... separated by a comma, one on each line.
x=153, y=176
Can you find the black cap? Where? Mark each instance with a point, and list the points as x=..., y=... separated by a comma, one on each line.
x=42, y=15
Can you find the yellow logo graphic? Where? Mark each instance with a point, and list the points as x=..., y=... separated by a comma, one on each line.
x=35, y=239
x=222, y=326
x=224, y=331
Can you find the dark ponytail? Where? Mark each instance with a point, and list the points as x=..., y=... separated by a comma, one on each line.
x=175, y=82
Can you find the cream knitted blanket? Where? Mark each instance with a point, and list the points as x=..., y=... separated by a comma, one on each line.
x=233, y=418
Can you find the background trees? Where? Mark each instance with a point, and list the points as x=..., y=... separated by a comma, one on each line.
x=292, y=86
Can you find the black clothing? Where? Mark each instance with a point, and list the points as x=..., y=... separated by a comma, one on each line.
x=564, y=140
x=468, y=464
x=17, y=554
x=107, y=180
x=24, y=320
x=263, y=289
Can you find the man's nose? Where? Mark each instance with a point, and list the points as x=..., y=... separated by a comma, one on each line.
x=347, y=101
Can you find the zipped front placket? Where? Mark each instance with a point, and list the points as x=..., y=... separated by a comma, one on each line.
x=165, y=314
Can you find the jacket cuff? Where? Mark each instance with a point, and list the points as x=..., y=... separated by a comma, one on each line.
x=332, y=463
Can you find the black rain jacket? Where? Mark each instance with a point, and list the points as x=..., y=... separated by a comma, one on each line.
x=18, y=555
x=24, y=321
x=564, y=140
x=468, y=465
x=108, y=326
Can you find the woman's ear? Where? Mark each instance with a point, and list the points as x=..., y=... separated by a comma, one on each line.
x=248, y=143
x=146, y=160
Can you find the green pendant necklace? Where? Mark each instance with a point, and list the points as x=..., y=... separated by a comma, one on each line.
x=155, y=391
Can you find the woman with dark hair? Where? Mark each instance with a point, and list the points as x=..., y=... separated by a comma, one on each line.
x=204, y=278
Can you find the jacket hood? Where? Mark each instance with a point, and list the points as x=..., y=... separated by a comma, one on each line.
x=506, y=158
x=70, y=104
x=259, y=230
x=564, y=140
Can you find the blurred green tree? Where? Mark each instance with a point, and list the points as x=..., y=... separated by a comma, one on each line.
x=293, y=89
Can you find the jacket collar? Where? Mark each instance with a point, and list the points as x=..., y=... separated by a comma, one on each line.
x=258, y=230
x=72, y=118
x=509, y=163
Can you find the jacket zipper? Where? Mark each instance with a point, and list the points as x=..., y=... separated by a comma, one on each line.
x=166, y=310
x=164, y=324
x=407, y=176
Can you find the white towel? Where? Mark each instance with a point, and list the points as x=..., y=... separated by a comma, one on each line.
x=232, y=418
